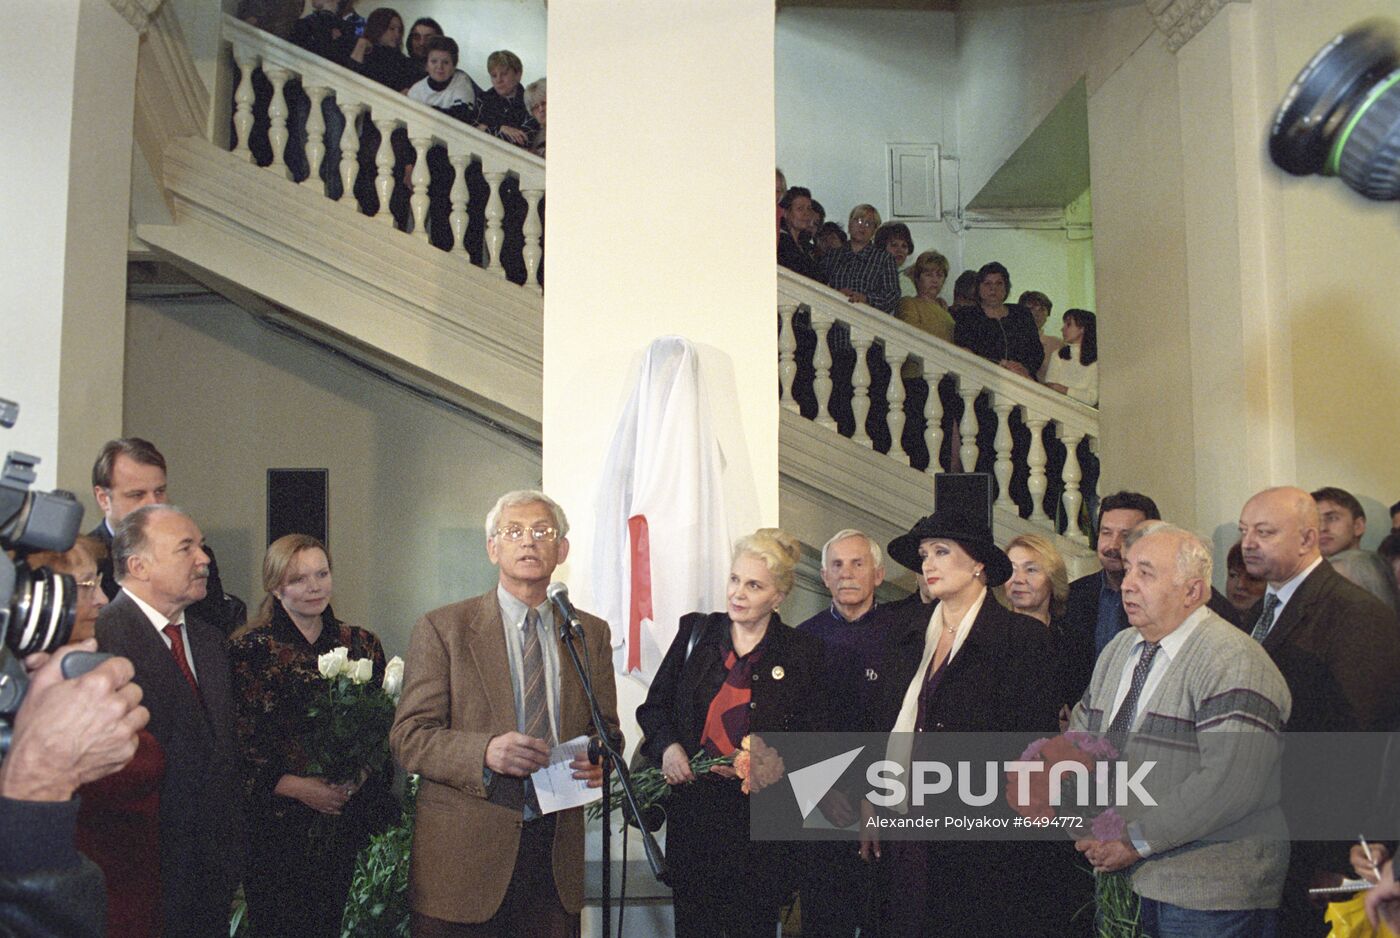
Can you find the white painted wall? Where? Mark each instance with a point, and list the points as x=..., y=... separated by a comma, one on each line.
x=226, y=399
x=848, y=82
x=1016, y=63
x=480, y=28
x=39, y=96
x=63, y=255
x=1337, y=280
x=660, y=223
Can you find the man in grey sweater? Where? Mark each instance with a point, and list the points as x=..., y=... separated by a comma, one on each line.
x=1203, y=700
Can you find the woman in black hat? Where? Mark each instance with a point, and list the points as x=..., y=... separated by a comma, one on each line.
x=975, y=667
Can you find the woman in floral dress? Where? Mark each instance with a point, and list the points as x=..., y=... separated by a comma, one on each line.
x=304, y=831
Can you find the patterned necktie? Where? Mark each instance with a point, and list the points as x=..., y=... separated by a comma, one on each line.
x=177, y=651
x=536, y=708
x=1266, y=618
x=1123, y=719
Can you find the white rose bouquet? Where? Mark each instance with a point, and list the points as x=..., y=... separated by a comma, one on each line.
x=349, y=719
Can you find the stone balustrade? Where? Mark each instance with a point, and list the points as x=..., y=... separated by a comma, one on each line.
x=468, y=192
x=856, y=371
x=851, y=369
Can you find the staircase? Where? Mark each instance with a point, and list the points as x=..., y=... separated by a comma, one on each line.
x=243, y=222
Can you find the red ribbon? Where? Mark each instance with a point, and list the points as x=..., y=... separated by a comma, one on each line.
x=640, y=541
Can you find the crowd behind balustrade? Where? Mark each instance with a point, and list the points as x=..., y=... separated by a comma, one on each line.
x=422, y=63
x=870, y=264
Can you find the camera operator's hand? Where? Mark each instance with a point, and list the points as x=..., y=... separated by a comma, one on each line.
x=70, y=732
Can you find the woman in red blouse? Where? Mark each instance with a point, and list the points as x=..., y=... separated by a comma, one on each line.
x=118, y=816
x=746, y=673
x=295, y=887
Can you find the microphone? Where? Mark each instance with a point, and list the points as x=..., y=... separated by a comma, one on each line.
x=570, y=624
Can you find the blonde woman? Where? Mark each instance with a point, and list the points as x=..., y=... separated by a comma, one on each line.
x=861, y=271
x=1039, y=588
x=294, y=888
x=746, y=672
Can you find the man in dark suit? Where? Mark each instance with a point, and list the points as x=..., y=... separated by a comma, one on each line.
x=855, y=630
x=130, y=472
x=183, y=669
x=1338, y=648
x=1095, y=611
x=487, y=689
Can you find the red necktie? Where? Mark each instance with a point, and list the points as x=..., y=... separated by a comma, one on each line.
x=177, y=650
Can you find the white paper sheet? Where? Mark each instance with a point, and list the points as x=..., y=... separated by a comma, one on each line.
x=555, y=786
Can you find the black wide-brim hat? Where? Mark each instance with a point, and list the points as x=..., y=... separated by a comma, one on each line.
x=963, y=528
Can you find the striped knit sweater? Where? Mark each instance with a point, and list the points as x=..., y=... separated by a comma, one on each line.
x=1213, y=723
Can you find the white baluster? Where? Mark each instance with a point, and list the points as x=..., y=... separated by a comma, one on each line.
x=1071, y=475
x=1002, y=407
x=384, y=166
x=1094, y=499
x=315, y=133
x=933, y=418
x=277, y=118
x=821, y=365
x=243, y=99
x=418, y=202
x=350, y=152
x=495, y=211
x=967, y=428
x=458, y=197
x=787, y=356
x=532, y=231
x=860, y=387
x=1035, y=459
x=894, y=357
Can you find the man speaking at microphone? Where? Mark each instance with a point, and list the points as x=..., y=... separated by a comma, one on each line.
x=488, y=690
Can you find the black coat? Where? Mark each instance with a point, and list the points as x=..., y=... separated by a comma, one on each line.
x=1338, y=648
x=680, y=695
x=999, y=681
x=200, y=797
x=1003, y=678
x=707, y=838
x=1014, y=337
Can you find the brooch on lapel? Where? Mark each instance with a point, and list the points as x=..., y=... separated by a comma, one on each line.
x=778, y=672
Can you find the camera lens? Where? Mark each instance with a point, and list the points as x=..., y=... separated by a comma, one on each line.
x=42, y=607
x=1341, y=115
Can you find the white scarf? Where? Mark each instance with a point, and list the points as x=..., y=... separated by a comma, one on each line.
x=901, y=744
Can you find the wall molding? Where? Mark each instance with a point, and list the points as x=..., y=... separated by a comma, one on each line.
x=136, y=12
x=1180, y=20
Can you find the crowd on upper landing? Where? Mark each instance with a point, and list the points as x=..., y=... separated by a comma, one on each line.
x=867, y=263
x=427, y=72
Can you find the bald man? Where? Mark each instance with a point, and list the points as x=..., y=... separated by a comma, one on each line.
x=1337, y=646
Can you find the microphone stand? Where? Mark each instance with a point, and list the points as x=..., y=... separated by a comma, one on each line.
x=655, y=858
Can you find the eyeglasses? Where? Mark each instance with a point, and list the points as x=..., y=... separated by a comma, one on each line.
x=540, y=532
x=87, y=586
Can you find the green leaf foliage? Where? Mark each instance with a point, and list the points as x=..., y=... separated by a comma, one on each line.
x=378, y=903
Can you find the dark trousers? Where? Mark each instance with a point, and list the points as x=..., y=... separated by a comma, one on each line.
x=293, y=887
x=836, y=889
x=719, y=916
x=1298, y=915
x=199, y=916
x=531, y=907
